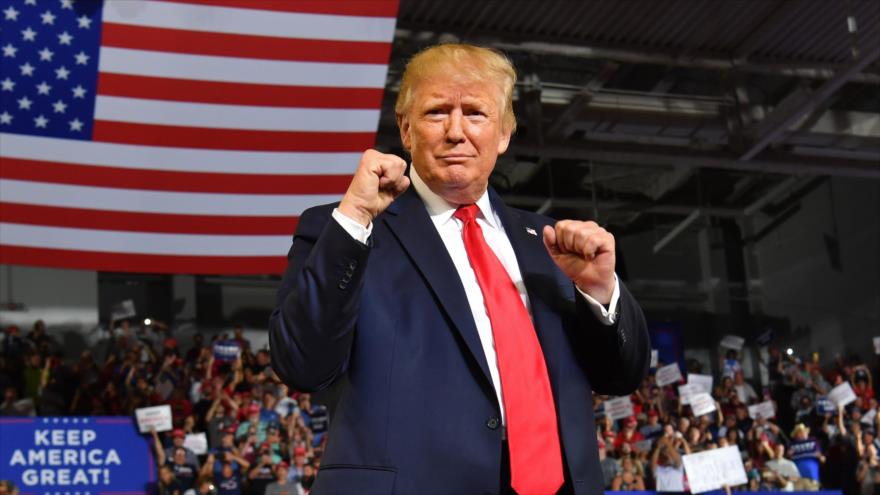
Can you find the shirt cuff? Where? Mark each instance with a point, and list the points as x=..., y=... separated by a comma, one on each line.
x=354, y=229
x=607, y=316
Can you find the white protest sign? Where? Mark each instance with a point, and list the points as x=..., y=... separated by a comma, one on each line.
x=686, y=391
x=733, y=342
x=876, y=345
x=619, y=407
x=842, y=395
x=702, y=403
x=702, y=381
x=668, y=374
x=158, y=417
x=197, y=442
x=713, y=469
x=763, y=410
x=868, y=417
x=654, y=357
x=123, y=310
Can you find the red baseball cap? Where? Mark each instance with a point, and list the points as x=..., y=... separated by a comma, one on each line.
x=178, y=433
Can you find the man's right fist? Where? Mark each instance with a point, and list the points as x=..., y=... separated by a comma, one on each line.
x=377, y=181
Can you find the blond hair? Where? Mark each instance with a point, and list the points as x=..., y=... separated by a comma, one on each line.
x=472, y=62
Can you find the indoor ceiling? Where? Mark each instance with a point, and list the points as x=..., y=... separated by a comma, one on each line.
x=630, y=111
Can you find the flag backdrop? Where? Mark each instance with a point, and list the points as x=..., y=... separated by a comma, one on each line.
x=180, y=136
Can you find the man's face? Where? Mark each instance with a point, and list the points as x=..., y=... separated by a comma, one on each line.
x=454, y=134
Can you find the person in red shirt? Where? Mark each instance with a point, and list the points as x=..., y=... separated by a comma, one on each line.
x=629, y=434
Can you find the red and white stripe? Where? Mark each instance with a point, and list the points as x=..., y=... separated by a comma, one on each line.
x=217, y=122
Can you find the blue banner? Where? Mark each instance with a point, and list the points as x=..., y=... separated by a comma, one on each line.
x=88, y=455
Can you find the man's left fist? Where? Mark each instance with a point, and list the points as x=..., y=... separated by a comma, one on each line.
x=584, y=252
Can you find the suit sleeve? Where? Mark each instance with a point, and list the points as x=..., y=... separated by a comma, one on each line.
x=312, y=328
x=617, y=357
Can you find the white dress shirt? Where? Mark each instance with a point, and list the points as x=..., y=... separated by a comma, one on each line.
x=450, y=228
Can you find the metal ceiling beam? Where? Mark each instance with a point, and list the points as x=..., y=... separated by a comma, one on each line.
x=678, y=229
x=631, y=154
x=586, y=203
x=552, y=46
x=580, y=101
x=801, y=103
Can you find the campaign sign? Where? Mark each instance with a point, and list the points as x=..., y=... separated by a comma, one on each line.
x=763, y=410
x=842, y=395
x=702, y=403
x=668, y=374
x=688, y=390
x=226, y=350
x=713, y=469
x=733, y=342
x=702, y=381
x=619, y=407
x=154, y=417
x=824, y=405
x=90, y=455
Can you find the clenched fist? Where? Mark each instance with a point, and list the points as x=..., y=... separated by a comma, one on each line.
x=584, y=252
x=377, y=181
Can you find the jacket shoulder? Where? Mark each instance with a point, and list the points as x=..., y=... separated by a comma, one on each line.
x=312, y=220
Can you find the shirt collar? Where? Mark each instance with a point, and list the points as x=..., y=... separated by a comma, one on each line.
x=440, y=210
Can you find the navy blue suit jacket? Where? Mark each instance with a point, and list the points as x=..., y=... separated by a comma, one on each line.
x=390, y=324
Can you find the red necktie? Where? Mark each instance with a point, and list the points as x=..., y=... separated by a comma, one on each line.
x=532, y=435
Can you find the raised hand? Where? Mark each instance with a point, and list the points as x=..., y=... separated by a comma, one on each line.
x=377, y=181
x=584, y=252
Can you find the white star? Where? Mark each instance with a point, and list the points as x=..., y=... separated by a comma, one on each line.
x=65, y=38
x=30, y=2
x=29, y=34
x=43, y=88
x=62, y=72
x=41, y=123
x=7, y=84
x=64, y=420
x=24, y=103
x=84, y=22
x=46, y=54
x=79, y=92
x=48, y=17
x=59, y=106
x=11, y=14
x=26, y=69
x=5, y=118
x=81, y=58
x=9, y=50
x=67, y=4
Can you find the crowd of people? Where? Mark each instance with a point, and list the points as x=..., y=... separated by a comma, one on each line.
x=807, y=444
x=264, y=438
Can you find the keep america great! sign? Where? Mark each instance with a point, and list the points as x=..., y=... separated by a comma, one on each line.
x=86, y=455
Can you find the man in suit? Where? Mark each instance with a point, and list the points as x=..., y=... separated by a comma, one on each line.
x=465, y=336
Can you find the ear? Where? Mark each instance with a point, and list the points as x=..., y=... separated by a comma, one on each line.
x=404, y=127
x=504, y=142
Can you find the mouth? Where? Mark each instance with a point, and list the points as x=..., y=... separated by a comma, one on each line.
x=455, y=157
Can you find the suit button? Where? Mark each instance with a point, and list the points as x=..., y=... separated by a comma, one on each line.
x=352, y=265
x=493, y=423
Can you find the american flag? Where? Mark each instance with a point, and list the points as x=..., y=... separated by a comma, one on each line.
x=180, y=136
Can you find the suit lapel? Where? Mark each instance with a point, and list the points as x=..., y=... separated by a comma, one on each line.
x=410, y=223
x=537, y=271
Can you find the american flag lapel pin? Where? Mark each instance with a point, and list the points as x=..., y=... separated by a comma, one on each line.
x=531, y=231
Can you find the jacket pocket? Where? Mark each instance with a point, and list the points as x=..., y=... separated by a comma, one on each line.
x=349, y=479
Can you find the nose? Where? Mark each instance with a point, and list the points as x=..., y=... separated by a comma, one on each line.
x=454, y=127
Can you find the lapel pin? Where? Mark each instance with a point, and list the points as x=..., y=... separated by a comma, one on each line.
x=531, y=231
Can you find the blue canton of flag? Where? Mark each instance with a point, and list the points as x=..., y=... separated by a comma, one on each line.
x=49, y=57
